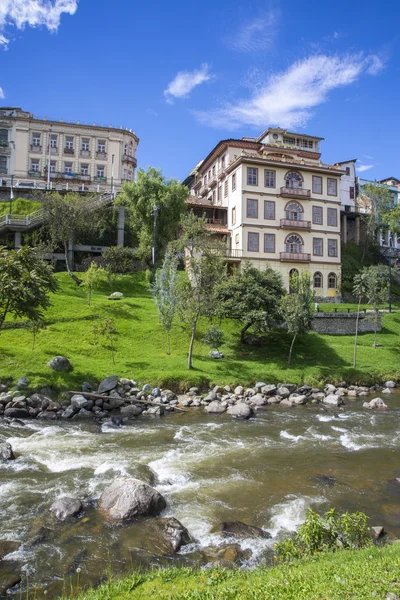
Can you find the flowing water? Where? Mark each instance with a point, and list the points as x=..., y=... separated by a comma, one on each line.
x=265, y=471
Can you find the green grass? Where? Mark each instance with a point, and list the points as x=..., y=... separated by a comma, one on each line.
x=19, y=207
x=345, y=575
x=141, y=347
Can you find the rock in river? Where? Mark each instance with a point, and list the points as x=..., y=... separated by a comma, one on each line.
x=215, y=407
x=66, y=507
x=241, y=410
x=6, y=452
x=240, y=530
x=171, y=534
x=127, y=498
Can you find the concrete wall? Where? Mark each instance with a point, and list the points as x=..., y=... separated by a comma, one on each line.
x=343, y=323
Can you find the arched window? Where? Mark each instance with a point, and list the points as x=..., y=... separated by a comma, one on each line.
x=318, y=280
x=294, y=180
x=332, y=281
x=294, y=244
x=294, y=211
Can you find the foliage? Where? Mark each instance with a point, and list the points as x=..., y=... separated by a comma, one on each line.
x=297, y=307
x=25, y=284
x=119, y=259
x=92, y=279
x=354, y=257
x=213, y=337
x=251, y=297
x=373, y=282
x=204, y=272
x=149, y=190
x=20, y=207
x=165, y=292
x=358, y=290
x=105, y=327
x=326, y=533
x=379, y=201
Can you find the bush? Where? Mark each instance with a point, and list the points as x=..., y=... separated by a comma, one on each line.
x=213, y=337
x=326, y=533
x=119, y=259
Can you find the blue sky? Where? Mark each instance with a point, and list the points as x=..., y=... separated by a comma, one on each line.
x=184, y=75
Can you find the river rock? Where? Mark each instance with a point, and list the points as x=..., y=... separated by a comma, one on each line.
x=108, y=384
x=287, y=402
x=225, y=555
x=269, y=390
x=239, y=390
x=215, y=407
x=127, y=498
x=60, y=363
x=390, y=384
x=305, y=389
x=172, y=533
x=115, y=402
x=69, y=412
x=386, y=391
x=6, y=452
x=375, y=404
x=284, y=392
x=241, y=530
x=47, y=414
x=259, y=385
x=16, y=413
x=83, y=414
x=274, y=399
x=64, y=508
x=258, y=400
x=9, y=576
x=329, y=388
x=79, y=401
x=156, y=410
x=7, y=547
x=292, y=387
x=298, y=398
x=23, y=382
x=241, y=410
x=377, y=531
x=131, y=411
x=333, y=400
x=39, y=400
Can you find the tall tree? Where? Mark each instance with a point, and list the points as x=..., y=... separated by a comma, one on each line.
x=251, y=297
x=150, y=190
x=297, y=307
x=25, y=284
x=378, y=201
x=376, y=287
x=165, y=291
x=92, y=279
x=205, y=270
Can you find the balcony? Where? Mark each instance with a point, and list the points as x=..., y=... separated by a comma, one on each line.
x=233, y=253
x=216, y=222
x=295, y=257
x=130, y=159
x=69, y=151
x=100, y=179
x=204, y=190
x=101, y=155
x=35, y=174
x=212, y=181
x=85, y=153
x=292, y=192
x=36, y=148
x=295, y=224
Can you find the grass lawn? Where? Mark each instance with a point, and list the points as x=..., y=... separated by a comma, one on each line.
x=344, y=575
x=141, y=347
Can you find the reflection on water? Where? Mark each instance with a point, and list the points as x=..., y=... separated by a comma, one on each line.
x=265, y=471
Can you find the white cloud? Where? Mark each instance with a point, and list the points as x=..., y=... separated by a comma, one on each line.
x=287, y=98
x=257, y=34
x=184, y=82
x=33, y=13
x=1, y=93
x=363, y=168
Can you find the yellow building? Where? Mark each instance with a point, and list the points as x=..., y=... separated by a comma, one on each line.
x=44, y=153
x=276, y=203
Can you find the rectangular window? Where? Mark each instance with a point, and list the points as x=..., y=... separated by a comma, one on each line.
x=52, y=166
x=237, y=240
x=85, y=144
x=289, y=140
x=318, y=246
x=84, y=169
x=68, y=167
x=53, y=140
x=101, y=146
x=35, y=165
x=100, y=171
x=252, y=241
x=347, y=170
x=269, y=178
x=233, y=182
x=36, y=139
x=317, y=217
x=332, y=187
x=252, y=176
x=213, y=197
x=213, y=170
x=332, y=217
x=226, y=189
x=234, y=215
x=269, y=242
x=219, y=193
x=332, y=248
x=351, y=191
x=269, y=209
x=205, y=179
x=317, y=184
x=69, y=143
x=223, y=162
x=252, y=209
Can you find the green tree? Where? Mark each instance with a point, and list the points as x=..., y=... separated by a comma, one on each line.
x=34, y=327
x=150, y=190
x=165, y=293
x=205, y=270
x=105, y=327
x=92, y=279
x=251, y=297
x=25, y=284
x=359, y=291
x=213, y=337
x=376, y=284
x=379, y=202
x=297, y=307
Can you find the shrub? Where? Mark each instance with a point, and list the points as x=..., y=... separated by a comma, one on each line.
x=119, y=259
x=213, y=337
x=330, y=532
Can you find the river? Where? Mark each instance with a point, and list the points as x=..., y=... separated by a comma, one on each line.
x=266, y=472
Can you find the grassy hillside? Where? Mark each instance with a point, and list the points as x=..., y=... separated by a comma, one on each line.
x=359, y=575
x=141, y=347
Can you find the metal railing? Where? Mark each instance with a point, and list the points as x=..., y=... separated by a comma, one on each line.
x=295, y=224
x=292, y=192
x=233, y=253
x=295, y=256
x=215, y=222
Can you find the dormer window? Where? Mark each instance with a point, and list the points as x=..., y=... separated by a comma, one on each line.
x=294, y=180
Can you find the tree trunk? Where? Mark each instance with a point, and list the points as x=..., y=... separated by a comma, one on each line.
x=194, y=326
x=168, y=343
x=70, y=273
x=243, y=331
x=355, y=339
x=291, y=349
x=375, y=327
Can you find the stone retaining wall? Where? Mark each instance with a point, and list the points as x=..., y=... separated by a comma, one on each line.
x=344, y=323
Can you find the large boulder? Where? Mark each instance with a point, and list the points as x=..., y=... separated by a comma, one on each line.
x=240, y=530
x=215, y=407
x=6, y=452
x=241, y=410
x=108, y=384
x=333, y=400
x=16, y=413
x=171, y=535
x=64, y=508
x=79, y=401
x=131, y=410
x=375, y=404
x=298, y=398
x=127, y=498
x=390, y=384
x=60, y=363
x=269, y=389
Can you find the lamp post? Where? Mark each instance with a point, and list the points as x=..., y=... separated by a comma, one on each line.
x=48, y=161
x=11, y=183
x=154, y=213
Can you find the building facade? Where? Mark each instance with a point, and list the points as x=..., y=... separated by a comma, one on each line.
x=48, y=154
x=275, y=203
